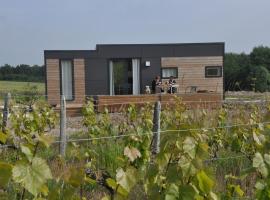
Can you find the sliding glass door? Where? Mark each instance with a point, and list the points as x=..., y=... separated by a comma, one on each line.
x=124, y=76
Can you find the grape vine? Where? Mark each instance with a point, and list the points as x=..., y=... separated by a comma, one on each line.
x=199, y=149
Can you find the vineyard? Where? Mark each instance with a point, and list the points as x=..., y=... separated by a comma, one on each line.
x=139, y=153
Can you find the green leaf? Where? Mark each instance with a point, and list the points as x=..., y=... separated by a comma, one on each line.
x=256, y=139
x=162, y=160
x=213, y=196
x=75, y=176
x=90, y=181
x=112, y=183
x=205, y=183
x=32, y=176
x=267, y=159
x=189, y=146
x=47, y=140
x=172, y=193
x=107, y=197
x=238, y=190
x=127, y=179
x=27, y=152
x=186, y=192
x=173, y=175
x=3, y=137
x=187, y=167
x=259, y=164
x=260, y=185
x=5, y=173
x=257, y=160
x=152, y=171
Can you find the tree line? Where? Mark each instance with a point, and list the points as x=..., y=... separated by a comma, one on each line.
x=22, y=72
x=241, y=71
x=248, y=71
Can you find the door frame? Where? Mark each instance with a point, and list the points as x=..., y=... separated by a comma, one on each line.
x=139, y=73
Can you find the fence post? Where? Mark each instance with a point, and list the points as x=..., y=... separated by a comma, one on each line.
x=63, y=138
x=156, y=128
x=6, y=112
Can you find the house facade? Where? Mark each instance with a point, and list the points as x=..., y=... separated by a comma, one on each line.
x=126, y=69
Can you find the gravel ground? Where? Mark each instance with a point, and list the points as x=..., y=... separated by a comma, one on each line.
x=75, y=124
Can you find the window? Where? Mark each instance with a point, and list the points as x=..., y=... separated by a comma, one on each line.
x=67, y=79
x=213, y=71
x=171, y=71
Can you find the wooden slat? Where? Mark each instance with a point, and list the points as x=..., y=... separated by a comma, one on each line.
x=53, y=82
x=191, y=72
x=79, y=80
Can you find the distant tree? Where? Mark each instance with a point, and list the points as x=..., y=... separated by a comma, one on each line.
x=260, y=56
x=259, y=78
x=236, y=68
x=22, y=73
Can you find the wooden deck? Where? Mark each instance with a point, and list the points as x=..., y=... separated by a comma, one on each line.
x=120, y=102
x=194, y=100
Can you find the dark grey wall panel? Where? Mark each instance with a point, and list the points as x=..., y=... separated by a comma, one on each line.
x=157, y=51
x=96, y=87
x=96, y=76
x=119, y=51
x=198, y=50
x=149, y=73
x=69, y=54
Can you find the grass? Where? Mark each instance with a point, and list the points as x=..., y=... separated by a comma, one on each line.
x=19, y=87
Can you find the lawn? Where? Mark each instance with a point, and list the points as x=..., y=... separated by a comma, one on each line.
x=19, y=88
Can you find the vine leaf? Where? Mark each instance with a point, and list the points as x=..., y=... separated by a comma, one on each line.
x=3, y=137
x=172, y=193
x=187, y=167
x=205, y=183
x=132, y=153
x=189, y=147
x=259, y=164
x=112, y=183
x=32, y=176
x=267, y=159
x=27, y=152
x=75, y=176
x=186, y=192
x=5, y=173
x=47, y=140
x=127, y=179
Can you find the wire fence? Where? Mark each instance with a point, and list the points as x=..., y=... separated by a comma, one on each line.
x=56, y=145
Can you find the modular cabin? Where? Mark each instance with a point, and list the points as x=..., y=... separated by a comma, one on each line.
x=125, y=70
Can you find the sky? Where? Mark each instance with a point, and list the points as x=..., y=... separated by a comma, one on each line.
x=28, y=27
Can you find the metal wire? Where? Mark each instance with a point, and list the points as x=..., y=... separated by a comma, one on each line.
x=162, y=132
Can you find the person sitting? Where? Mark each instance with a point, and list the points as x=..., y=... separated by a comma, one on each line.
x=156, y=83
x=171, y=83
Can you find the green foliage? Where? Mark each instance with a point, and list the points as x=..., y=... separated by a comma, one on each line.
x=248, y=72
x=5, y=173
x=22, y=73
x=261, y=56
x=260, y=77
x=32, y=175
x=117, y=160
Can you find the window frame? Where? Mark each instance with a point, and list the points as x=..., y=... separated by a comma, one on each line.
x=169, y=68
x=72, y=79
x=215, y=76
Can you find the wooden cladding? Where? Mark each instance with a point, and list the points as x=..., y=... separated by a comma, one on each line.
x=191, y=73
x=53, y=81
x=79, y=80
